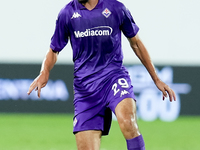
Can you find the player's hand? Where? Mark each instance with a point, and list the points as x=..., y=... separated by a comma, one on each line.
x=39, y=83
x=166, y=90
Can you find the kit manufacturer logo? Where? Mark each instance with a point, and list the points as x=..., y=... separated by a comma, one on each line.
x=75, y=15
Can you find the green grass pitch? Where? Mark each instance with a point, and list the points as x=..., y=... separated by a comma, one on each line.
x=54, y=132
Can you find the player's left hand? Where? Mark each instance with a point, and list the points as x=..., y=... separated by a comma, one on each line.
x=166, y=90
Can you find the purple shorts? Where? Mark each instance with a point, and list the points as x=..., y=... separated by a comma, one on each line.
x=93, y=112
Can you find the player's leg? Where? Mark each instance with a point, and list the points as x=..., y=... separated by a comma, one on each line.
x=126, y=115
x=88, y=140
x=89, y=126
x=121, y=102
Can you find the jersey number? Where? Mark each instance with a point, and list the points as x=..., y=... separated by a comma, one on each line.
x=122, y=82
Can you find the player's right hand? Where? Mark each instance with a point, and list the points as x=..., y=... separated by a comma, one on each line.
x=39, y=83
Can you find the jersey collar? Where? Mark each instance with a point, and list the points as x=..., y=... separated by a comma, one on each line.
x=98, y=6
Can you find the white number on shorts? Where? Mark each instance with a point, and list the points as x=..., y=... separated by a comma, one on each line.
x=122, y=82
x=114, y=88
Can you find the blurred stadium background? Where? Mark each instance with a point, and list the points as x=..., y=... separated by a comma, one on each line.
x=170, y=31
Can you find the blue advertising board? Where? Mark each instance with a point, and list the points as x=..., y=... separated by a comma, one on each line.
x=57, y=96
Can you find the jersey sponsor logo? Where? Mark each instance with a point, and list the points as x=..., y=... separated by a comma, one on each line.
x=96, y=31
x=106, y=12
x=75, y=15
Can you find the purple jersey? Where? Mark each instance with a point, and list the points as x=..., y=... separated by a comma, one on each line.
x=95, y=37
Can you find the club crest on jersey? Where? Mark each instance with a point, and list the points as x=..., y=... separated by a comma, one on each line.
x=106, y=12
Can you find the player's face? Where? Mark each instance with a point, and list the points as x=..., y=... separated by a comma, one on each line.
x=82, y=1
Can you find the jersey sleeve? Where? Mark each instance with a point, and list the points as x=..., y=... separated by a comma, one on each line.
x=128, y=26
x=61, y=34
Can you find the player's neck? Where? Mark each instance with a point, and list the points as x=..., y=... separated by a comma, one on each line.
x=91, y=4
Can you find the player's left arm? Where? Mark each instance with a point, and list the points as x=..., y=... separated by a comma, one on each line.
x=142, y=53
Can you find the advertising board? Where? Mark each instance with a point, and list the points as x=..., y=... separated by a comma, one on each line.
x=57, y=96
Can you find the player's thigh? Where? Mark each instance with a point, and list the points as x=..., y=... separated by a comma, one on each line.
x=126, y=108
x=126, y=116
x=88, y=140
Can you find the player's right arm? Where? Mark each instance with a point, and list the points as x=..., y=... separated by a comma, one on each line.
x=42, y=79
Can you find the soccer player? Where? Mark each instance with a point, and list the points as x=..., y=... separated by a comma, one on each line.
x=101, y=82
